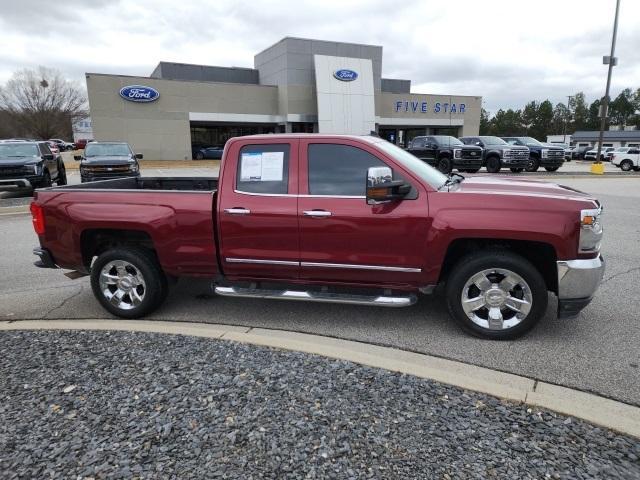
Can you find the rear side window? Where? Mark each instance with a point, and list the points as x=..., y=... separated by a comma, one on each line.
x=339, y=170
x=263, y=169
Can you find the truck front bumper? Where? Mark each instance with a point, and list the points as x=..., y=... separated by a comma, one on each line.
x=578, y=281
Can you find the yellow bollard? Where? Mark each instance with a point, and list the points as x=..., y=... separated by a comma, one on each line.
x=597, y=168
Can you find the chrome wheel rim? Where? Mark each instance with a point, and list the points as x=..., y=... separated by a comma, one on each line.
x=122, y=284
x=496, y=299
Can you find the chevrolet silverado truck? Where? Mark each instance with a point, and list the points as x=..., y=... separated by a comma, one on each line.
x=540, y=155
x=498, y=154
x=446, y=153
x=105, y=160
x=325, y=218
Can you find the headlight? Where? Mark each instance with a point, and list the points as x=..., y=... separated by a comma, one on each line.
x=457, y=153
x=545, y=153
x=31, y=168
x=133, y=167
x=506, y=152
x=590, y=230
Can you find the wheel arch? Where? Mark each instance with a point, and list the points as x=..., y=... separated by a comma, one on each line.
x=542, y=255
x=95, y=241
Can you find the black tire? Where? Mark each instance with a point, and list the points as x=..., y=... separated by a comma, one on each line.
x=533, y=165
x=517, y=169
x=551, y=169
x=445, y=165
x=199, y=156
x=144, y=263
x=475, y=263
x=626, y=165
x=62, y=176
x=46, y=180
x=493, y=164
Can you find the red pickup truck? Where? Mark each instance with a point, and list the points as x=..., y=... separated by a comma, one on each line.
x=331, y=219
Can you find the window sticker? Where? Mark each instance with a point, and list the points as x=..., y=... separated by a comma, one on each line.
x=262, y=167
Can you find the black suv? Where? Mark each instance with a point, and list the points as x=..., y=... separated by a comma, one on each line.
x=30, y=165
x=446, y=153
x=497, y=154
x=540, y=155
x=106, y=160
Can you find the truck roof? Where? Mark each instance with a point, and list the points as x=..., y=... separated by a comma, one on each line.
x=267, y=136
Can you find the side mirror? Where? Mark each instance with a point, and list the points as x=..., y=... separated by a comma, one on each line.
x=139, y=156
x=48, y=156
x=479, y=144
x=381, y=188
x=77, y=158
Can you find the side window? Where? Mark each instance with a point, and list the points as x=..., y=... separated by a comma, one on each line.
x=417, y=143
x=44, y=148
x=339, y=169
x=263, y=169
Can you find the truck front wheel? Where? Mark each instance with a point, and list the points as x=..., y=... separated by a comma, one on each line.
x=533, y=165
x=445, y=165
x=493, y=164
x=128, y=282
x=496, y=295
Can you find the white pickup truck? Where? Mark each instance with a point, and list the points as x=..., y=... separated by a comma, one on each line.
x=627, y=161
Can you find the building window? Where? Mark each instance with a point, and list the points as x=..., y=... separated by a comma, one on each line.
x=301, y=127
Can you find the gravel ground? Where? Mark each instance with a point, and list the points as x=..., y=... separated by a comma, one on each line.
x=123, y=405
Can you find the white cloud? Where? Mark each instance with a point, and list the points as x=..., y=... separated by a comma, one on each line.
x=508, y=52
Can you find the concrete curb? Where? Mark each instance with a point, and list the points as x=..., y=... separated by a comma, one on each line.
x=16, y=210
x=601, y=411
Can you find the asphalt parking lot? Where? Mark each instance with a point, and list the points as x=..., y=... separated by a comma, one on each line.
x=597, y=352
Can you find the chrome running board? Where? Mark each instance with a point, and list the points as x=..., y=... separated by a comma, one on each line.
x=381, y=301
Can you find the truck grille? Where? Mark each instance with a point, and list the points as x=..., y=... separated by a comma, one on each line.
x=107, y=169
x=472, y=154
x=556, y=154
x=518, y=154
x=15, y=171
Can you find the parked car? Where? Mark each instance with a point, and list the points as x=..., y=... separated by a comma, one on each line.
x=609, y=155
x=30, y=165
x=578, y=152
x=331, y=218
x=446, y=153
x=62, y=145
x=591, y=154
x=108, y=160
x=498, y=154
x=627, y=161
x=551, y=158
x=214, y=153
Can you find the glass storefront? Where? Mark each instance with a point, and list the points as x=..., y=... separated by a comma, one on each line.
x=210, y=135
x=402, y=136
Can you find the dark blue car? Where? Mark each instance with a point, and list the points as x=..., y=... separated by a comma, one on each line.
x=201, y=153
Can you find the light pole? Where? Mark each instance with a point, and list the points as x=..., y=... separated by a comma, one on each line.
x=612, y=61
x=566, y=120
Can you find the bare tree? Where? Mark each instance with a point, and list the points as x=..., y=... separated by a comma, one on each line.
x=42, y=102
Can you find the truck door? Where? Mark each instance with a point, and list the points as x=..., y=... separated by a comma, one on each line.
x=257, y=210
x=342, y=239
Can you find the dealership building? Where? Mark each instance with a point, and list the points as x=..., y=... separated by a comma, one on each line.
x=296, y=85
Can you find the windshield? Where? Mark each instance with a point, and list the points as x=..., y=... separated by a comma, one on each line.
x=427, y=173
x=531, y=141
x=10, y=150
x=446, y=140
x=107, y=149
x=493, y=141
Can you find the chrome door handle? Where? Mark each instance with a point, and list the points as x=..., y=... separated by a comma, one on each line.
x=237, y=211
x=317, y=213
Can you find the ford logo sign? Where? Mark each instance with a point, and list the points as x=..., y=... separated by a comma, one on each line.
x=139, y=93
x=345, y=75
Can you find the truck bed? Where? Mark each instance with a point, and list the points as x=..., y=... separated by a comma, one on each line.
x=194, y=184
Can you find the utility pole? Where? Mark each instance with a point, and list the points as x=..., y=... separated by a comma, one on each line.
x=612, y=61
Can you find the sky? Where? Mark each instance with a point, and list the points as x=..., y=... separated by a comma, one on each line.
x=508, y=52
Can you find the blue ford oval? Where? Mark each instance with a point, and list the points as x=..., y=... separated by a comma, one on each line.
x=345, y=75
x=139, y=93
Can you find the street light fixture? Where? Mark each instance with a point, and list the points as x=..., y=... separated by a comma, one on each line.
x=612, y=61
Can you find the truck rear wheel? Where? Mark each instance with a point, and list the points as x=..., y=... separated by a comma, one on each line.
x=128, y=282
x=496, y=295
